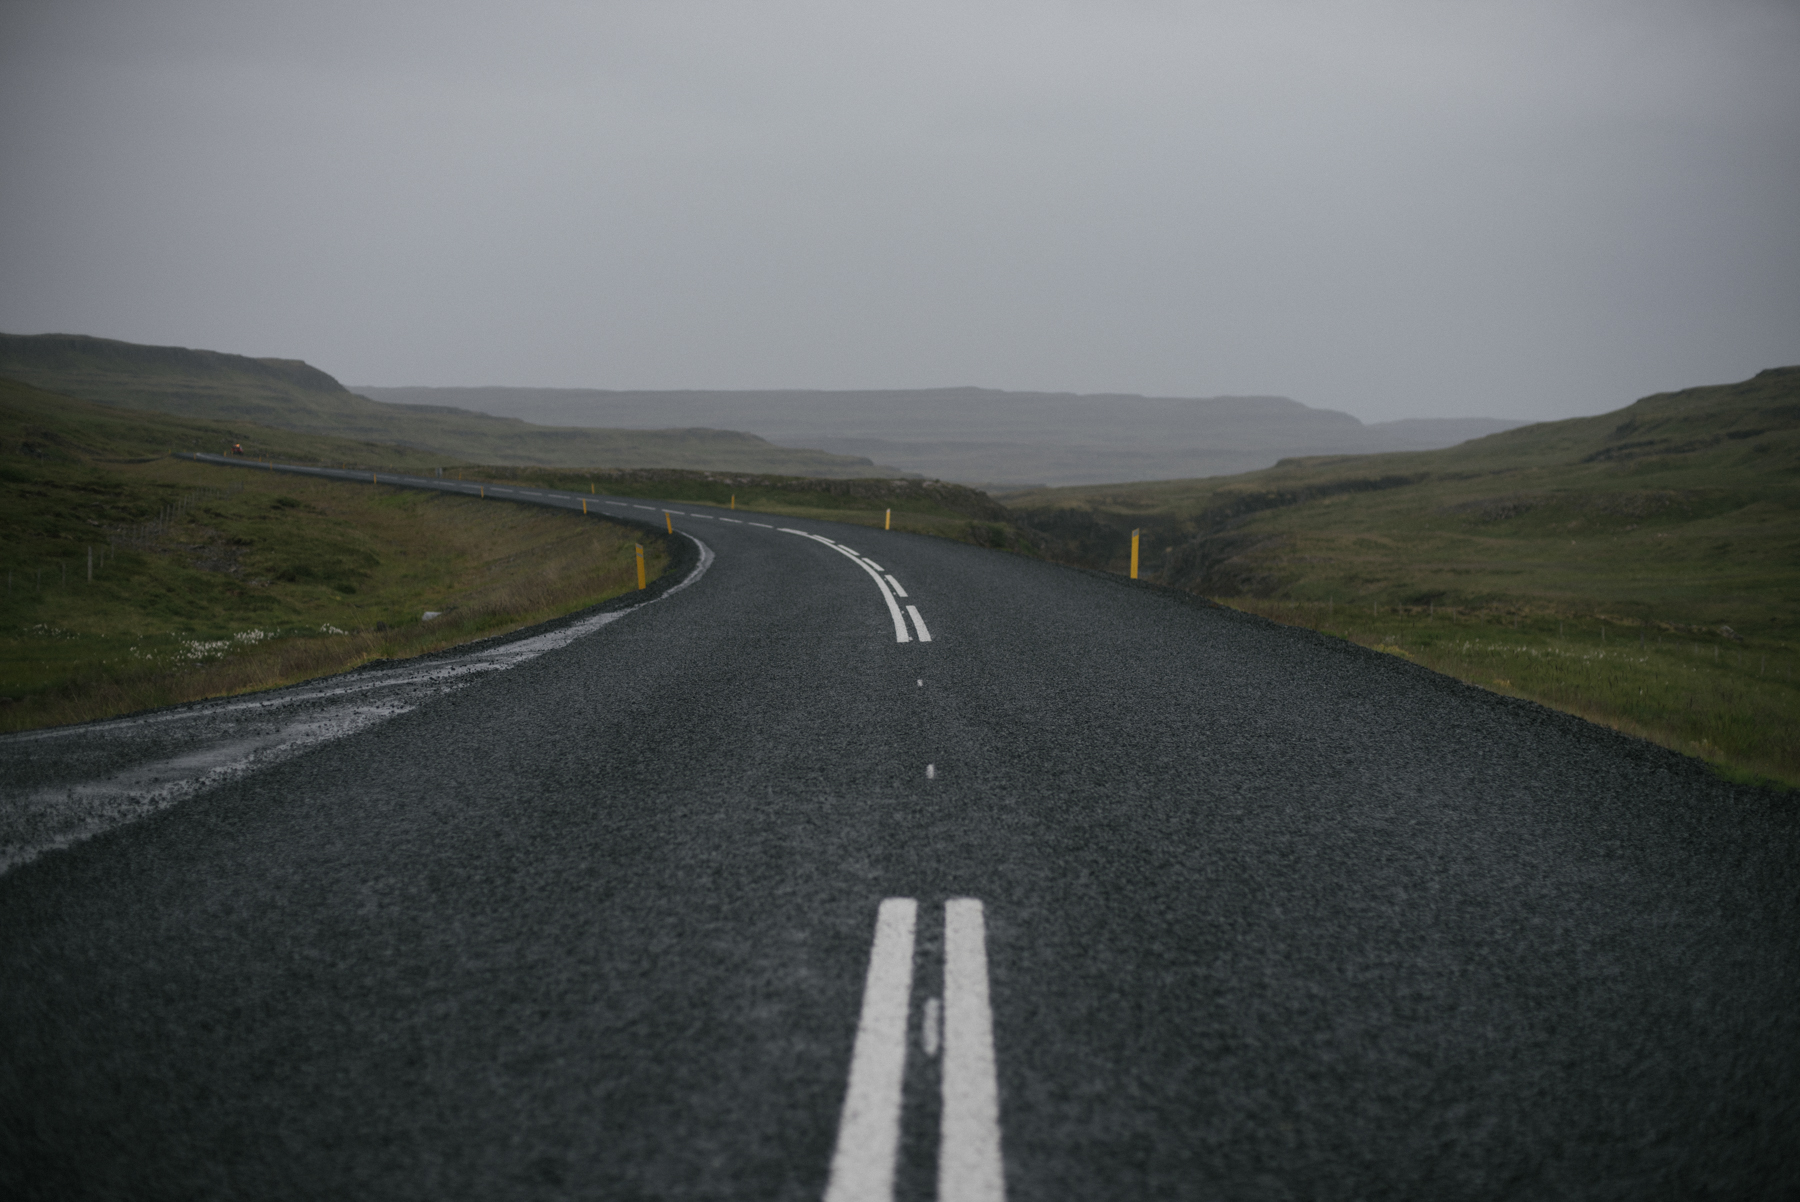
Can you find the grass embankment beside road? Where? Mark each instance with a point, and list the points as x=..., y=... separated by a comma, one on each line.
x=1677, y=517
x=1734, y=702
x=952, y=511
x=209, y=581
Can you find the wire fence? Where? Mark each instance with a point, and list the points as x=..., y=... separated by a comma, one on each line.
x=146, y=534
x=140, y=537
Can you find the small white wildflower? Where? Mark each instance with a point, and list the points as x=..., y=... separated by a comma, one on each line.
x=198, y=649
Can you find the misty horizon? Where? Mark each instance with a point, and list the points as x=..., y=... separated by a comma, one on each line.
x=1522, y=211
x=981, y=436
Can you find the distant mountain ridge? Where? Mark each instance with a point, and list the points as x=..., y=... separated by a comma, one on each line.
x=988, y=436
x=980, y=436
x=288, y=394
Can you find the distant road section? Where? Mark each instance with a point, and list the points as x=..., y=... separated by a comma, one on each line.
x=1072, y=889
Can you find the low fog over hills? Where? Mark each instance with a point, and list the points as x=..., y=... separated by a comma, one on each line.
x=987, y=436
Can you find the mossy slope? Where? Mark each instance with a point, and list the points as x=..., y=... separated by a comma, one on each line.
x=205, y=582
x=235, y=392
x=1671, y=527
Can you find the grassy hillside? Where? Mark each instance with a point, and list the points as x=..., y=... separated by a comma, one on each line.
x=234, y=392
x=39, y=424
x=207, y=582
x=951, y=511
x=1676, y=518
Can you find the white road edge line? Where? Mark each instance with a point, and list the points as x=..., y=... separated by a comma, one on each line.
x=764, y=525
x=919, y=624
x=969, y=1167
x=898, y=591
x=900, y=634
x=862, y=1168
x=69, y=814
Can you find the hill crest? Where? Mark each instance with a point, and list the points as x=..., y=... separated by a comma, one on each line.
x=290, y=394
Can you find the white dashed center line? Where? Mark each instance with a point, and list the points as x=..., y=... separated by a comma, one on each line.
x=885, y=581
x=900, y=633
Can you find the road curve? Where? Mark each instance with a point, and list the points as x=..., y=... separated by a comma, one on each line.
x=870, y=865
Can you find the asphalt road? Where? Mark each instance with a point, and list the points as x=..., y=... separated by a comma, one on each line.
x=1099, y=893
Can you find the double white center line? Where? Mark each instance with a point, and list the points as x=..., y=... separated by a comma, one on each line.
x=877, y=574
x=884, y=579
x=969, y=1167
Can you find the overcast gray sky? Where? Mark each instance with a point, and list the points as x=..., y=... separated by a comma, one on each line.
x=1402, y=208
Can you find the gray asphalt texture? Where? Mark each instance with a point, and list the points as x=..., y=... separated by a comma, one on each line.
x=1269, y=917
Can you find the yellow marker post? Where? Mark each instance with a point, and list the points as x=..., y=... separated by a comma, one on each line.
x=734, y=500
x=374, y=479
x=669, y=520
x=1134, y=549
x=591, y=487
x=483, y=488
x=640, y=557
x=584, y=505
x=887, y=523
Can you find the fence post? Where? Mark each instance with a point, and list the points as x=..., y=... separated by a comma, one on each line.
x=1134, y=554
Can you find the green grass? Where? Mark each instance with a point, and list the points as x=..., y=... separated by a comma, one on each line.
x=1734, y=702
x=1680, y=513
x=208, y=582
x=244, y=399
